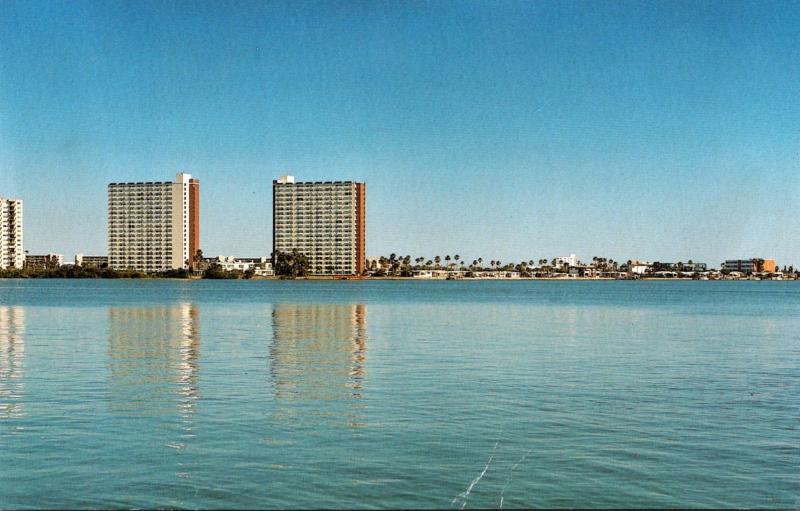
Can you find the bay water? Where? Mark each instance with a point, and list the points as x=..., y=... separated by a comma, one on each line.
x=364, y=394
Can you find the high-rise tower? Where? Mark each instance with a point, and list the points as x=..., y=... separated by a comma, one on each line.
x=12, y=253
x=325, y=221
x=154, y=226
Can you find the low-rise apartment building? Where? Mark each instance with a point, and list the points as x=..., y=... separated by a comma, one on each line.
x=747, y=266
x=689, y=267
x=261, y=266
x=42, y=262
x=89, y=261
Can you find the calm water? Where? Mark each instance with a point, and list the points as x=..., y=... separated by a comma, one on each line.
x=399, y=394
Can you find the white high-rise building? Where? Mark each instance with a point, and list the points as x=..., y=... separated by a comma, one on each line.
x=12, y=253
x=325, y=221
x=153, y=226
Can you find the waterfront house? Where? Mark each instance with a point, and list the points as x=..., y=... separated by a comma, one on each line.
x=261, y=266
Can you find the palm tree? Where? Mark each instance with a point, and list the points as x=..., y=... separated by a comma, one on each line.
x=447, y=260
x=480, y=261
x=456, y=257
x=438, y=260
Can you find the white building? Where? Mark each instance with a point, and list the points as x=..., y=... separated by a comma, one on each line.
x=325, y=221
x=496, y=274
x=153, y=226
x=12, y=253
x=262, y=266
x=640, y=267
x=570, y=260
x=89, y=261
x=373, y=263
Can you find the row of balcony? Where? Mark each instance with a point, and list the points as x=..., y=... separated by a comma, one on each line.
x=120, y=226
x=308, y=251
x=141, y=228
x=129, y=249
x=314, y=232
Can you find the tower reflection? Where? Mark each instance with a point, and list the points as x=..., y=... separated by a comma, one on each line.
x=154, y=353
x=12, y=361
x=318, y=353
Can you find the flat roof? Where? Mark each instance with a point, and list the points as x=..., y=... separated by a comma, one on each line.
x=275, y=181
x=142, y=183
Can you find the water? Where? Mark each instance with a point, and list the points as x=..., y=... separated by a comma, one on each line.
x=399, y=394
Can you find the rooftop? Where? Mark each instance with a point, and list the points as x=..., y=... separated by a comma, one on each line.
x=290, y=180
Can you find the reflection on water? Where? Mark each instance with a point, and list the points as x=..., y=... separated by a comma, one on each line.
x=318, y=351
x=12, y=360
x=153, y=353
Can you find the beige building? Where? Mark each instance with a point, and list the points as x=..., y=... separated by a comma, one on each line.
x=12, y=253
x=153, y=226
x=754, y=265
x=325, y=221
x=44, y=261
x=90, y=261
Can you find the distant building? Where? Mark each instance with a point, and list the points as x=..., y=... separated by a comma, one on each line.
x=430, y=274
x=91, y=261
x=41, y=262
x=570, y=260
x=154, y=226
x=692, y=267
x=373, y=263
x=747, y=266
x=496, y=274
x=12, y=253
x=584, y=270
x=637, y=267
x=325, y=221
x=680, y=266
x=261, y=266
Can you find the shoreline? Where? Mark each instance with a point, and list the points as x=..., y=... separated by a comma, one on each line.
x=406, y=279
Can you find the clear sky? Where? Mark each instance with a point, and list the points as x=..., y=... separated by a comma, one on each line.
x=507, y=130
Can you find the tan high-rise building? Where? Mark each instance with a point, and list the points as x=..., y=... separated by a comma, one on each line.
x=12, y=253
x=325, y=221
x=154, y=226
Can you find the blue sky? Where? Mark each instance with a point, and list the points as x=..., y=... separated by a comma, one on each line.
x=506, y=130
